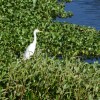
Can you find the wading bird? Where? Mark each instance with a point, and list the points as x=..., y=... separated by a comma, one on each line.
x=31, y=48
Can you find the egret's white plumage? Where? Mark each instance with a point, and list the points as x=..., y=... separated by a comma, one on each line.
x=31, y=48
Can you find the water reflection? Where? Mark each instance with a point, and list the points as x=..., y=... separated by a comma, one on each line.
x=86, y=12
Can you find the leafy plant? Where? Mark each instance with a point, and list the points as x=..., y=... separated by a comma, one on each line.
x=45, y=76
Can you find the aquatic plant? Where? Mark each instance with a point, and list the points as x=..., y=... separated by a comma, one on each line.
x=44, y=76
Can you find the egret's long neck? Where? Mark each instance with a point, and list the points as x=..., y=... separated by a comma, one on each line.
x=34, y=37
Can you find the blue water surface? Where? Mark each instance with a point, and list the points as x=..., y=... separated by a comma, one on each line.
x=92, y=60
x=86, y=12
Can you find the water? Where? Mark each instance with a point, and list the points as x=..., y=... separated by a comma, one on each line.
x=86, y=12
x=92, y=60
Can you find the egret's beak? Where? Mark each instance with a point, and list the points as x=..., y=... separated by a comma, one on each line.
x=40, y=31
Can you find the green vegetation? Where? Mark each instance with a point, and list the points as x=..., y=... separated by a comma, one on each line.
x=45, y=77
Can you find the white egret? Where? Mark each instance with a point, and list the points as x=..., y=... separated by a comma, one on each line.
x=31, y=48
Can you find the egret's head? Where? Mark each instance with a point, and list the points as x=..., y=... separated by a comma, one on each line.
x=37, y=30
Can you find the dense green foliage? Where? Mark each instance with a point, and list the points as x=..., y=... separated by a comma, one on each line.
x=42, y=77
x=50, y=79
